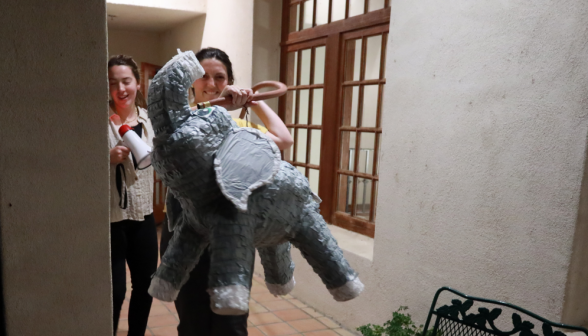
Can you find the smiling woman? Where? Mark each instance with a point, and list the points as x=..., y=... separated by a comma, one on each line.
x=132, y=227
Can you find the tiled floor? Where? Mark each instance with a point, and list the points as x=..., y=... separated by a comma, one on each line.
x=268, y=316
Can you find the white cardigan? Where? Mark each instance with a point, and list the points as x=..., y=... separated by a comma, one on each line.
x=139, y=183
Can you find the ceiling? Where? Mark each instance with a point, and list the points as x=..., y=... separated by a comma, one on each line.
x=149, y=19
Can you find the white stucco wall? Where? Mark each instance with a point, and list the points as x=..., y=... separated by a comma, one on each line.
x=54, y=168
x=198, y=6
x=229, y=26
x=186, y=36
x=267, y=21
x=143, y=46
x=485, y=122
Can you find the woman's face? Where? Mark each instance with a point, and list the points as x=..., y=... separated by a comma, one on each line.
x=123, y=86
x=214, y=81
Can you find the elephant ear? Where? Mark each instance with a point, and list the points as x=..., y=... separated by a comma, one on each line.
x=246, y=160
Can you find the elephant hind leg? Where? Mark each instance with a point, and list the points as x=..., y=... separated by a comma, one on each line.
x=278, y=268
x=320, y=249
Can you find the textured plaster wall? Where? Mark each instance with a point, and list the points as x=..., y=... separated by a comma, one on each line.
x=143, y=46
x=54, y=168
x=485, y=123
x=267, y=20
x=186, y=36
x=229, y=26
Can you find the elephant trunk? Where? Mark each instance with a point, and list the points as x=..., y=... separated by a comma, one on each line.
x=168, y=93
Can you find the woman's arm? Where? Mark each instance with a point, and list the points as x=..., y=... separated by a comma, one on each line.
x=277, y=130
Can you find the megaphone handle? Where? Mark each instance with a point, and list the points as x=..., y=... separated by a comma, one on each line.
x=281, y=88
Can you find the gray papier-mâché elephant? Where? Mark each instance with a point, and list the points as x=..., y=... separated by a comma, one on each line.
x=230, y=192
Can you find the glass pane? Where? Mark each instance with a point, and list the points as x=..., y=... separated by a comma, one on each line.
x=308, y=11
x=352, y=59
x=350, y=103
x=290, y=107
x=289, y=152
x=317, y=106
x=375, y=5
x=356, y=7
x=319, y=65
x=322, y=12
x=372, y=57
x=291, y=71
x=293, y=68
x=301, y=139
x=370, y=106
x=305, y=68
x=302, y=170
x=303, y=109
x=347, y=150
x=344, y=197
x=366, y=153
x=338, y=10
x=294, y=17
x=362, y=198
x=313, y=180
x=315, y=147
x=375, y=185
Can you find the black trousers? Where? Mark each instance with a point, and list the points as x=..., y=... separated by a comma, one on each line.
x=193, y=302
x=136, y=243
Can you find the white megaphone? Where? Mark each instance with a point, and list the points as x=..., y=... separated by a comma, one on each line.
x=141, y=151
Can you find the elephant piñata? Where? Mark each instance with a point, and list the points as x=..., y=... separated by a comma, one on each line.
x=231, y=192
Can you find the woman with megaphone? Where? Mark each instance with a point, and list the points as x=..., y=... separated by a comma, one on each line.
x=132, y=227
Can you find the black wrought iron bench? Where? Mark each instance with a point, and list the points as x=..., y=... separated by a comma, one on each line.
x=455, y=320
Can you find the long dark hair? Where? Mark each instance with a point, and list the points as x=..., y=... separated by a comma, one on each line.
x=219, y=55
x=128, y=61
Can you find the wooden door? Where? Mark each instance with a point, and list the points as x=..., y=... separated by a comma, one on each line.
x=148, y=71
x=332, y=60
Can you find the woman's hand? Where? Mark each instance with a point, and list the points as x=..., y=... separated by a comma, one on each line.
x=239, y=97
x=118, y=154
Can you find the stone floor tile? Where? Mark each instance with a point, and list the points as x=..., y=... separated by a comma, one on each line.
x=278, y=305
x=307, y=325
x=321, y=333
x=252, y=331
x=162, y=321
x=298, y=303
x=265, y=297
x=264, y=318
x=165, y=331
x=255, y=307
x=277, y=329
x=159, y=310
x=292, y=314
x=312, y=312
x=328, y=322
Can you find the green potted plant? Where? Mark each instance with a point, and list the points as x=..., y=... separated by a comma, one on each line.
x=401, y=324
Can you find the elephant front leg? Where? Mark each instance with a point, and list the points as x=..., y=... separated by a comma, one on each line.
x=278, y=268
x=182, y=255
x=320, y=249
x=232, y=256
